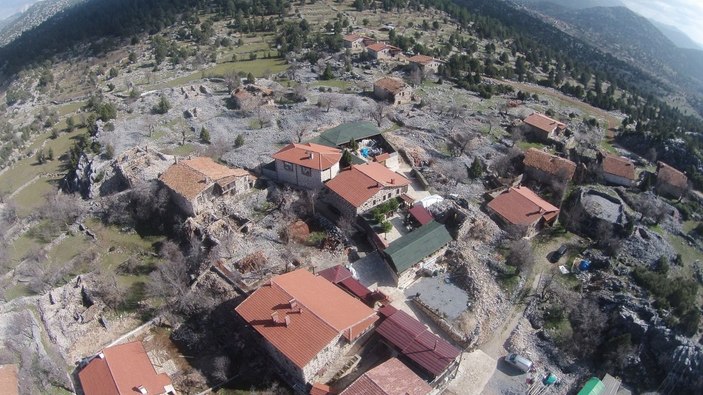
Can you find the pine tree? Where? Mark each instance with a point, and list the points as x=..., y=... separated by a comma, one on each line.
x=204, y=135
x=476, y=169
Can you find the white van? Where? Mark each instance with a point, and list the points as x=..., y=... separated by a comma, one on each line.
x=521, y=363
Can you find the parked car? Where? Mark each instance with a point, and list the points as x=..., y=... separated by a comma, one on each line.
x=519, y=362
x=556, y=255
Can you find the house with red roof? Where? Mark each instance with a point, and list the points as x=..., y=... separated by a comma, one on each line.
x=195, y=181
x=425, y=63
x=617, y=170
x=392, y=90
x=362, y=187
x=544, y=128
x=305, y=323
x=356, y=42
x=392, y=377
x=435, y=359
x=520, y=209
x=124, y=369
x=383, y=51
x=307, y=165
x=545, y=167
x=670, y=182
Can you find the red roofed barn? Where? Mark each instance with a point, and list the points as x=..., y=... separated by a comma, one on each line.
x=425, y=63
x=437, y=359
x=363, y=187
x=544, y=167
x=307, y=165
x=543, y=127
x=389, y=378
x=306, y=322
x=618, y=171
x=383, y=51
x=394, y=90
x=670, y=181
x=124, y=369
x=192, y=182
x=520, y=208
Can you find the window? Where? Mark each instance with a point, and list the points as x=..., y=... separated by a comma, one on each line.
x=306, y=171
x=288, y=166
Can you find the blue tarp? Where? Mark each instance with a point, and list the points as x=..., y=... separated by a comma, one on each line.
x=584, y=265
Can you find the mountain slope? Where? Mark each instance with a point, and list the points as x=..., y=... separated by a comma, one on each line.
x=632, y=38
x=679, y=38
x=577, y=4
x=15, y=25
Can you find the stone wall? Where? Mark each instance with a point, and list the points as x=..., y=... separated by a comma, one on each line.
x=296, y=177
x=617, y=180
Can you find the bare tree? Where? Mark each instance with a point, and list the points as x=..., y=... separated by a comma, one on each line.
x=232, y=81
x=378, y=112
x=326, y=101
x=520, y=255
x=107, y=289
x=461, y=141
x=505, y=166
x=415, y=76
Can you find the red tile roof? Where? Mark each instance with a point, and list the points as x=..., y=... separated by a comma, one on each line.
x=618, y=166
x=543, y=122
x=336, y=274
x=549, y=163
x=377, y=47
x=311, y=155
x=671, y=176
x=393, y=85
x=421, y=214
x=521, y=206
x=120, y=370
x=190, y=177
x=356, y=288
x=319, y=312
x=361, y=182
x=421, y=59
x=321, y=389
x=8, y=380
x=352, y=37
x=416, y=342
x=389, y=378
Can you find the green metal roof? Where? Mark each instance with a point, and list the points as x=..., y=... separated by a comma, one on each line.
x=343, y=133
x=417, y=245
x=593, y=387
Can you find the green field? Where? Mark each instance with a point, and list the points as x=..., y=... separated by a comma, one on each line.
x=258, y=68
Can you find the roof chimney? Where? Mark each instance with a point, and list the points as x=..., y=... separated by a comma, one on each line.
x=287, y=320
x=392, y=180
x=293, y=303
x=142, y=389
x=274, y=317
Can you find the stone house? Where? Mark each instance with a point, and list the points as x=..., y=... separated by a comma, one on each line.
x=545, y=167
x=124, y=369
x=194, y=182
x=425, y=63
x=520, y=210
x=617, y=170
x=305, y=323
x=307, y=165
x=362, y=187
x=670, y=182
x=248, y=97
x=544, y=128
x=383, y=51
x=357, y=43
x=393, y=90
x=416, y=250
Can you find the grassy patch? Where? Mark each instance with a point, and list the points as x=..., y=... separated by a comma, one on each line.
x=28, y=168
x=32, y=196
x=22, y=246
x=181, y=150
x=525, y=145
x=17, y=291
x=334, y=84
x=257, y=67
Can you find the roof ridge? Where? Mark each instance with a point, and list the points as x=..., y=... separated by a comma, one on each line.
x=306, y=307
x=528, y=198
x=112, y=375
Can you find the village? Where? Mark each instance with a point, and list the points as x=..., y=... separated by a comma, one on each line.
x=362, y=249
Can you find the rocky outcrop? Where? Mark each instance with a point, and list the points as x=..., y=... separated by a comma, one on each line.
x=590, y=211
